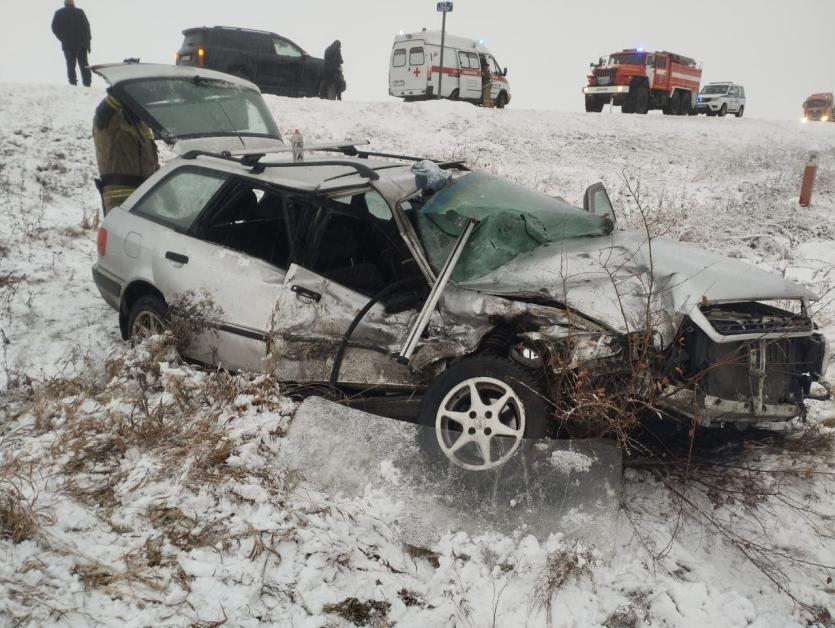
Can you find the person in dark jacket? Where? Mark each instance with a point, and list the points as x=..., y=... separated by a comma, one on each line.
x=72, y=29
x=333, y=81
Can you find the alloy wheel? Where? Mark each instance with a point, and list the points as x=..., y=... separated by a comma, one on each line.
x=480, y=423
x=146, y=324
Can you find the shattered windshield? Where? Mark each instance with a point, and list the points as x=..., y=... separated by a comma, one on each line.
x=511, y=220
x=200, y=107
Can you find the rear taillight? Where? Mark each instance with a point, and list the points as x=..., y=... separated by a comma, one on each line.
x=101, y=241
x=201, y=56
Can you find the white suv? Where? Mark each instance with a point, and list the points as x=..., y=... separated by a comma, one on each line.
x=718, y=99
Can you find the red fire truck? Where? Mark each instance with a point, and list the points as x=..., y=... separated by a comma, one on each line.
x=637, y=81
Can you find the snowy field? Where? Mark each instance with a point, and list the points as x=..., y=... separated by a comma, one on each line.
x=136, y=490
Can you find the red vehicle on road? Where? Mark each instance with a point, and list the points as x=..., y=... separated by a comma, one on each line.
x=638, y=81
x=819, y=107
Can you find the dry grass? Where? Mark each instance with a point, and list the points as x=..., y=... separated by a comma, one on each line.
x=18, y=520
x=9, y=279
x=367, y=613
x=560, y=566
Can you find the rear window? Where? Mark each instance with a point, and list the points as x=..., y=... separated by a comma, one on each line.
x=186, y=108
x=416, y=56
x=399, y=58
x=194, y=40
x=179, y=199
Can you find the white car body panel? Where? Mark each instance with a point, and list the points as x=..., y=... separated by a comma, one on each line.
x=608, y=279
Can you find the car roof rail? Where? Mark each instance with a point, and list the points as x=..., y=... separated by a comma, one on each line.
x=362, y=170
x=351, y=151
x=346, y=145
x=256, y=166
x=252, y=160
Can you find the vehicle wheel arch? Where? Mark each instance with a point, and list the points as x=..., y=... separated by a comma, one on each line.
x=130, y=295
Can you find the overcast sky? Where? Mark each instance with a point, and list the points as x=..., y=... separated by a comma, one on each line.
x=780, y=50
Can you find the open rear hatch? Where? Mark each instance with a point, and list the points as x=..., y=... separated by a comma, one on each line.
x=194, y=108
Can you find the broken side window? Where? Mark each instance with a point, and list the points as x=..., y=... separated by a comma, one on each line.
x=352, y=240
x=249, y=219
x=179, y=198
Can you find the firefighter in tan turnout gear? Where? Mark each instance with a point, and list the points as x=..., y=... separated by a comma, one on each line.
x=125, y=152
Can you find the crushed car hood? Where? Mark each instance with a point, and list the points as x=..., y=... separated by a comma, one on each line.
x=608, y=279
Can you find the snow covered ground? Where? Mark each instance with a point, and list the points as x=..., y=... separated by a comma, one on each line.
x=141, y=491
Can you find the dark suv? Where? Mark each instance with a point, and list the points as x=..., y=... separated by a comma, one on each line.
x=274, y=63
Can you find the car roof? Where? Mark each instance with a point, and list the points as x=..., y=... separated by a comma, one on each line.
x=319, y=173
x=236, y=29
x=434, y=38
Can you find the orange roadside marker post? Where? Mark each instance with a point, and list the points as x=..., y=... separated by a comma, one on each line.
x=808, y=181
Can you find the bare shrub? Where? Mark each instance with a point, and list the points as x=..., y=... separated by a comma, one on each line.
x=367, y=613
x=191, y=314
x=18, y=520
x=560, y=566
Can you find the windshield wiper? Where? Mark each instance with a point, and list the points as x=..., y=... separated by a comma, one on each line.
x=201, y=81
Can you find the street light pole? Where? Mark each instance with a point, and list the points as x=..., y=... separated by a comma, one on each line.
x=441, y=65
x=444, y=8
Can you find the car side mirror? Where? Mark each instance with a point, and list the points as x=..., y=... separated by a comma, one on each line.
x=596, y=201
x=504, y=72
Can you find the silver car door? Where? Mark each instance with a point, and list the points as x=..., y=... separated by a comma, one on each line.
x=222, y=298
x=309, y=321
x=345, y=252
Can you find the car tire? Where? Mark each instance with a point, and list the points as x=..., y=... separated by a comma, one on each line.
x=723, y=111
x=741, y=111
x=148, y=316
x=501, y=101
x=454, y=95
x=686, y=103
x=510, y=401
x=641, y=100
x=674, y=106
x=594, y=105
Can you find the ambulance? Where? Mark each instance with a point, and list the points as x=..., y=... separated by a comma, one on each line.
x=415, y=69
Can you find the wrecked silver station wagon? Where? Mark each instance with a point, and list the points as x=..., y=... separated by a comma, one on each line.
x=488, y=310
